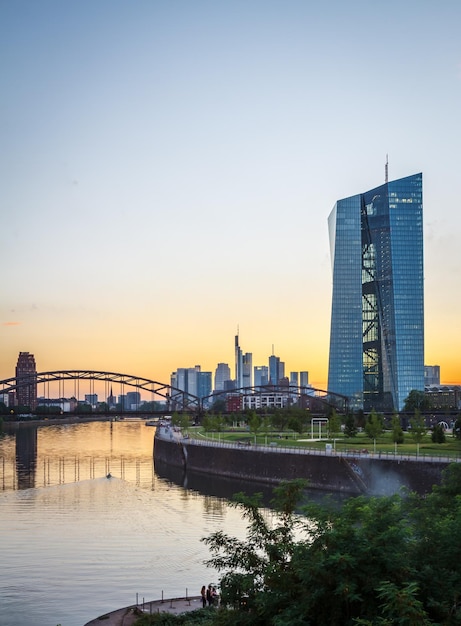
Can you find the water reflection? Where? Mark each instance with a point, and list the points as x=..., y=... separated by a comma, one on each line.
x=76, y=545
x=32, y=456
x=26, y=457
x=211, y=484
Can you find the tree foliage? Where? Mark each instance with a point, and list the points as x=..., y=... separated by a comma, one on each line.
x=438, y=434
x=350, y=427
x=417, y=400
x=374, y=425
x=373, y=561
x=334, y=424
x=397, y=430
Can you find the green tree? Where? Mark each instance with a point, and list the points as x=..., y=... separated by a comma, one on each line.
x=417, y=400
x=374, y=426
x=266, y=426
x=350, y=428
x=279, y=419
x=334, y=425
x=207, y=423
x=296, y=424
x=418, y=429
x=438, y=434
x=254, y=423
x=260, y=562
x=373, y=561
x=397, y=430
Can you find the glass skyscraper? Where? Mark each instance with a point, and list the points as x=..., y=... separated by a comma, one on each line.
x=377, y=317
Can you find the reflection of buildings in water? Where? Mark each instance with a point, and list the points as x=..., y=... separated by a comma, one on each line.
x=214, y=507
x=26, y=457
x=25, y=467
x=211, y=484
x=227, y=488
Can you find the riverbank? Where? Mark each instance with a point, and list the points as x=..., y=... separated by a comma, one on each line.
x=351, y=473
x=130, y=614
x=11, y=426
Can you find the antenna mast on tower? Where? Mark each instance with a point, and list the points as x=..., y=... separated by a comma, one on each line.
x=386, y=170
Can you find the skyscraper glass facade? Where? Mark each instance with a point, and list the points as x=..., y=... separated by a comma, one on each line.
x=377, y=318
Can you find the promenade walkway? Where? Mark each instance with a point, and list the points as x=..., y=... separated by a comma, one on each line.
x=174, y=434
x=128, y=615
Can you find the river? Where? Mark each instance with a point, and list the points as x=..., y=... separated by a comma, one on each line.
x=76, y=544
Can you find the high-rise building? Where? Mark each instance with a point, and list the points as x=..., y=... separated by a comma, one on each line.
x=247, y=369
x=304, y=379
x=238, y=364
x=92, y=399
x=294, y=379
x=431, y=375
x=261, y=375
x=377, y=317
x=222, y=374
x=186, y=379
x=133, y=400
x=203, y=384
x=276, y=369
x=26, y=395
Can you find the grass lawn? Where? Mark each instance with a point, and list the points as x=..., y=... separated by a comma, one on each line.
x=384, y=444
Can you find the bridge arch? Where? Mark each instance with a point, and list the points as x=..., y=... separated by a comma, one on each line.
x=313, y=396
x=176, y=399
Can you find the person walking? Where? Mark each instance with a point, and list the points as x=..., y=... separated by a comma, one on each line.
x=203, y=594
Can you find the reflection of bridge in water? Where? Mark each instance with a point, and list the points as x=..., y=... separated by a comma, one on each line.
x=174, y=399
x=22, y=466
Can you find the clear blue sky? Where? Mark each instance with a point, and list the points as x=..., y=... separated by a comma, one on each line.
x=167, y=170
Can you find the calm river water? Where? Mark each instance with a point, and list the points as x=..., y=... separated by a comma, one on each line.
x=75, y=545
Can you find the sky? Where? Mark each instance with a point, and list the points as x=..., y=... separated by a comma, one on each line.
x=167, y=170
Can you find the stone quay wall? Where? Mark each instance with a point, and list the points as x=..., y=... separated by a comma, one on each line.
x=349, y=473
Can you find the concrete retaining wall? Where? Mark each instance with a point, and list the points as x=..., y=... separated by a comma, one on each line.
x=329, y=472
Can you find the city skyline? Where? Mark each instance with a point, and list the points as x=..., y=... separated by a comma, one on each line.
x=167, y=172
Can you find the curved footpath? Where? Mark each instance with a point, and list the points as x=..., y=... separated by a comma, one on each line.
x=128, y=615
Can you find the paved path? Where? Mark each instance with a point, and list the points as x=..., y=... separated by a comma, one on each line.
x=128, y=615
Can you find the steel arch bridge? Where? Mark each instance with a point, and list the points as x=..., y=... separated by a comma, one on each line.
x=176, y=399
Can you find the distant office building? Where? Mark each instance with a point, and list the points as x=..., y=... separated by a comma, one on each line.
x=303, y=379
x=91, y=398
x=276, y=370
x=261, y=375
x=65, y=405
x=186, y=379
x=266, y=401
x=204, y=384
x=247, y=373
x=444, y=397
x=26, y=370
x=238, y=364
x=229, y=385
x=133, y=400
x=377, y=317
x=294, y=379
x=431, y=375
x=222, y=374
